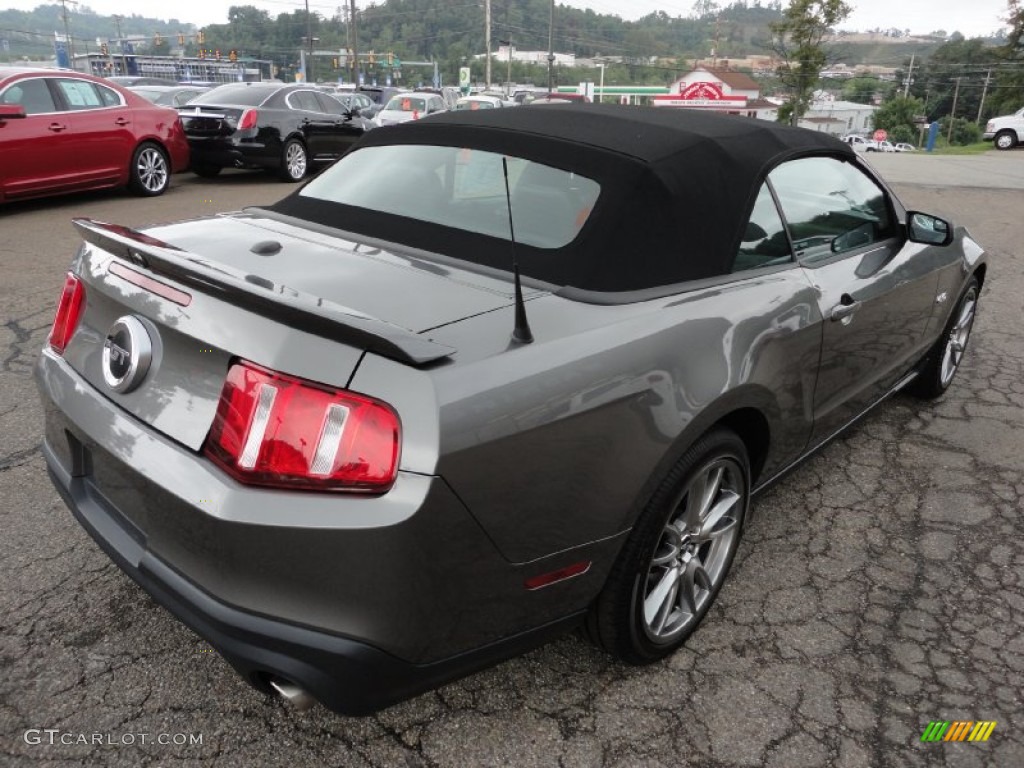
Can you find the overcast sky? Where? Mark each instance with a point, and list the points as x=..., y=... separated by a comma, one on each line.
x=970, y=17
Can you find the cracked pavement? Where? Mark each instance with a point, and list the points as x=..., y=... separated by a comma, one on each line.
x=879, y=586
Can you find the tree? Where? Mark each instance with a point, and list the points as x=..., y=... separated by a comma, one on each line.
x=897, y=116
x=798, y=42
x=1009, y=96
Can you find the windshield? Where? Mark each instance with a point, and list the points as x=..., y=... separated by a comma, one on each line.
x=462, y=188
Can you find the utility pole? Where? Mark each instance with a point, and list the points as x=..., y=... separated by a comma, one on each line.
x=551, y=49
x=308, y=71
x=355, y=42
x=120, y=43
x=67, y=32
x=910, y=72
x=984, y=91
x=952, y=112
x=487, y=43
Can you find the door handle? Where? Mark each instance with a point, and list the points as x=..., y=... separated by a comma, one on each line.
x=845, y=308
x=57, y=127
x=122, y=121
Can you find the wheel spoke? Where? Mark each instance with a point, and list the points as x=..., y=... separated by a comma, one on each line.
x=694, y=578
x=660, y=595
x=668, y=547
x=719, y=520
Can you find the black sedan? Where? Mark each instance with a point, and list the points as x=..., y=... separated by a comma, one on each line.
x=283, y=128
x=168, y=95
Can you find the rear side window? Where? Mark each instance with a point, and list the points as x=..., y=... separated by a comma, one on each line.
x=80, y=94
x=764, y=242
x=831, y=207
x=109, y=96
x=33, y=96
x=304, y=100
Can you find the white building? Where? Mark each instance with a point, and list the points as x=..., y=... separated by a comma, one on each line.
x=839, y=117
x=719, y=90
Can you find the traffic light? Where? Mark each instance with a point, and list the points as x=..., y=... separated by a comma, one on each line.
x=157, y=40
x=181, y=38
x=233, y=55
x=391, y=58
x=372, y=60
x=202, y=53
x=334, y=61
x=216, y=54
x=201, y=37
x=104, y=49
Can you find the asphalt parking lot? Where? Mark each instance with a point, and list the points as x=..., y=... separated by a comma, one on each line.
x=879, y=587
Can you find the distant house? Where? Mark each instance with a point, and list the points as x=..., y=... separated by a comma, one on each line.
x=839, y=117
x=719, y=90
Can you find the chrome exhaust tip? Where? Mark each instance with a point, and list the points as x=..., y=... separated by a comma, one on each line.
x=300, y=699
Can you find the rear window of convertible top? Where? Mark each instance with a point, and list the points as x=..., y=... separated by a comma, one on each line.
x=464, y=189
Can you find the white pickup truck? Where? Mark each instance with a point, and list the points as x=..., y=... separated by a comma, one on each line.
x=1007, y=131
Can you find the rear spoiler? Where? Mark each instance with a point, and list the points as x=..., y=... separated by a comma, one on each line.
x=296, y=309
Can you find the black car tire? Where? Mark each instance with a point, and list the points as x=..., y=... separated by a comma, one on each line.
x=149, y=174
x=294, y=161
x=675, y=537
x=206, y=171
x=1005, y=140
x=944, y=358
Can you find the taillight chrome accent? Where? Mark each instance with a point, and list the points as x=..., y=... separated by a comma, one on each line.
x=248, y=119
x=69, y=312
x=278, y=430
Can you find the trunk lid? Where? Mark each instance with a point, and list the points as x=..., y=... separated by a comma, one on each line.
x=247, y=286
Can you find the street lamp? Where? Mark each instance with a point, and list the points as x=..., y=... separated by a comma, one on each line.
x=600, y=88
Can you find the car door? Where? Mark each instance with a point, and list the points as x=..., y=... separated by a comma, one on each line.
x=37, y=150
x=102, y=125
x=875, y=291
x=317, y=127
x=347, y=127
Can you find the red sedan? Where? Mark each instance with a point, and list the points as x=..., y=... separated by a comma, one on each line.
x=64, y=131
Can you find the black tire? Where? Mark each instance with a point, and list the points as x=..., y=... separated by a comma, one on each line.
x=944, y=358
x=638, y=617
x=206, y=171
x=294, y=161
x=150, y=172
x=1005, y=140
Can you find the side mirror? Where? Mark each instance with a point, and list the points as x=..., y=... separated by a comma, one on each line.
x=927, y=229
x=11, y=112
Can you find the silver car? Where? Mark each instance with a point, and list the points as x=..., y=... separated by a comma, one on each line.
x=491, y=376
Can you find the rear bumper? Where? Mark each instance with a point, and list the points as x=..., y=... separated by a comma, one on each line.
x=361, y=601
x=345, y=675
x=225, y=153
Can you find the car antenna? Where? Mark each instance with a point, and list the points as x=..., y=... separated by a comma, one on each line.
x=521, y=332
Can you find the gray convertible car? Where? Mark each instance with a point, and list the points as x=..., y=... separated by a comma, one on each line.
x=491, y=376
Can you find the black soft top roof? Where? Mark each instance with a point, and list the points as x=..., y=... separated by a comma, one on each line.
x=677, y=188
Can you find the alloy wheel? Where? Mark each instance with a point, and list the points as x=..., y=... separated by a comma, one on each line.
x=295, y=160
x=956, y=341
x=694, y=550
x=151, y=169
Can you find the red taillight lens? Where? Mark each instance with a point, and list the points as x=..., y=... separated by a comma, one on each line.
x=69, y=312
x=248, y=119
x=278, y=430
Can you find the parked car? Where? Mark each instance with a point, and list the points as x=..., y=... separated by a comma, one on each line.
x=283, y=128
x=396, y=436
x=859, y=143
x=127, y=81
x=904, y=147
x=366, y=106
x=448, y=93
x=409, y=106
x=1007, y=131
x=479, y=102
x=168, y=95
x=883, y=146
x=63, y=131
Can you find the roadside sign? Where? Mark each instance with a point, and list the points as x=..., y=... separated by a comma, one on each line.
x=880, y=135
x=464, y=79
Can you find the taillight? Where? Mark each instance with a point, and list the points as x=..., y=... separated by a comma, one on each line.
x=279, y=430
x=69, y=312
x=248, y=119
